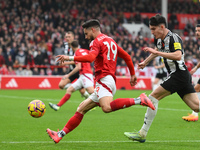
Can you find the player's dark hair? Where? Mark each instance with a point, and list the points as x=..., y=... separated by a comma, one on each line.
x=91, y=23
x=74, y=44
x=198, y=25
x=157, y=20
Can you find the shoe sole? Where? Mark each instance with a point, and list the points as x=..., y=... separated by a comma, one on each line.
x=141, y=141
x=190, y=120
x=53, y=108
x=51, y=137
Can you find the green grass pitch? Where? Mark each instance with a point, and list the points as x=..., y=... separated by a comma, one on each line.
x=20, y=131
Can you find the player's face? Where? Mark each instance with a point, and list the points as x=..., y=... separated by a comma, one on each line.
x=197, y=32
x=69, y=37
x=88, y=34
x=157, y=31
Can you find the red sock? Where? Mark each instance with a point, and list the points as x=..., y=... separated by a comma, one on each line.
x=73, y=122
x=121, y=103
x=64, y=99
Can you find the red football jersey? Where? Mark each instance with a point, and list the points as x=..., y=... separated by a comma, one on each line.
x=106, y=50
x=85, y=67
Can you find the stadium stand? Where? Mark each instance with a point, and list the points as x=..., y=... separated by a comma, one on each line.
x=31, y=32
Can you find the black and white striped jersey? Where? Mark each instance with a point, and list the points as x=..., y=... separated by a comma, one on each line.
x=68, y=51
x=171, y=43
x=158, y=62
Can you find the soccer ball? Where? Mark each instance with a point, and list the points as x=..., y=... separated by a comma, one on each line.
x=36, y=108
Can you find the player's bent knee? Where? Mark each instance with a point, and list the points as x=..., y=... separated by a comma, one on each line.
x=90, y=91
x=61, y=86
x=106, y=109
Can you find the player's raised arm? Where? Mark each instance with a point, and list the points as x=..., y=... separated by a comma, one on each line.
x=86, y=58
x=127, y=58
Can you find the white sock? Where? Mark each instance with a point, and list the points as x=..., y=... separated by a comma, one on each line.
x=67, y=85
x=194, y=113
x=61, y=133
x=86, y=95
x=149, y=116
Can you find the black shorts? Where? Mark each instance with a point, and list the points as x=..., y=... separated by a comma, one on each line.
x=198, y=81
x=161, y=76
x=74, y=76
x=180, y=82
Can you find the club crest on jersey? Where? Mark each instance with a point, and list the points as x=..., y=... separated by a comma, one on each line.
x=166, y=40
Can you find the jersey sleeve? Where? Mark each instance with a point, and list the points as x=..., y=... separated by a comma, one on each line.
x=77, y=53
x=127, y=58
x=93, y=53
x=175, y=44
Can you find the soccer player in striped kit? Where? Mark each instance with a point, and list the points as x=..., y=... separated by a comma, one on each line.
x=168, y=45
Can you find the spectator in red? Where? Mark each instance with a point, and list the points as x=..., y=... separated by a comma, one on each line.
x=49, y=46
x=42, y=72
x=30, y=59
x=11, y=71
x=74, y=11
x=49, y=71
x=4, y=70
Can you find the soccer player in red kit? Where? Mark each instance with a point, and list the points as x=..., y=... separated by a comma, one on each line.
x=85, y=79
x=104, y=52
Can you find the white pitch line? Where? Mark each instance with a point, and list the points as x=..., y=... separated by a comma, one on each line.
x=43, y=99
x=159, y=141
x=75, y=101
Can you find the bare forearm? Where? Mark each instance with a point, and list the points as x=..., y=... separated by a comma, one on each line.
x=150, y=58
x=69, y=63
x=198, y=65
x=173, y=56
x=75, y=70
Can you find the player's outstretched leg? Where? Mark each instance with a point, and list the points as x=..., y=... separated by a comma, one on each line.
x=121, y=103
x=191, y=117
x=54, y=106
x=54, y=135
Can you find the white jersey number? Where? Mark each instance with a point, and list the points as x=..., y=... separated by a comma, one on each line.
x=113, y=47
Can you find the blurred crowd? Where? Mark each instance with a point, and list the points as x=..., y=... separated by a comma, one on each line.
x=32, y=31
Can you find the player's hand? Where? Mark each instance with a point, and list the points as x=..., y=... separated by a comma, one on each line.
x=141, y=65
x=65, y=76
x=193, y=70
x=151, y=50
x=62, y=58
x=63, y=64
x=133, y=80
